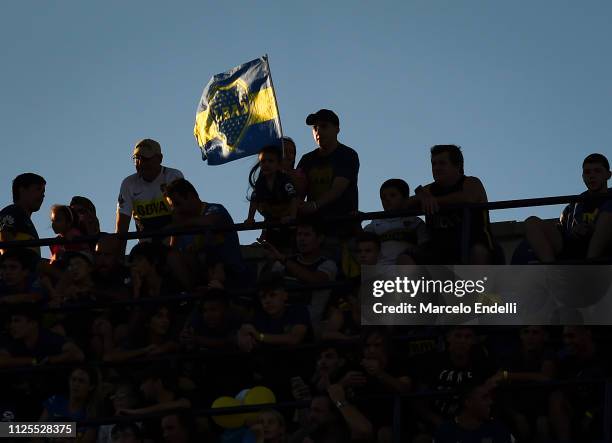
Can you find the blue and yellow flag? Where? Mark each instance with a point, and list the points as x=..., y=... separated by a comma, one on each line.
x=237, y=114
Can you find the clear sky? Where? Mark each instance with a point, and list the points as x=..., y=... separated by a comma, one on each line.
x=524, y=87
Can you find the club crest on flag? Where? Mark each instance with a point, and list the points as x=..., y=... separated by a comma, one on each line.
x=237, y=114
x=230, y=108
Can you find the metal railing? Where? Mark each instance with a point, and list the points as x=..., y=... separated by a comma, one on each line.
x=360, y=216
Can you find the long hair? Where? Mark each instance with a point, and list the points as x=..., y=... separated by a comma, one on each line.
x=254, y=173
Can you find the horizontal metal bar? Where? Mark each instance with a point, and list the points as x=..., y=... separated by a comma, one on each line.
x=505, y=204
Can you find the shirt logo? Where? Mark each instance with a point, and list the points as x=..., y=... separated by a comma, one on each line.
x=6, y=222
x=150, y=209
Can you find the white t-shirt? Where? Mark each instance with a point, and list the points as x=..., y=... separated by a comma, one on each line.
x=397, y=235
x=145, y=201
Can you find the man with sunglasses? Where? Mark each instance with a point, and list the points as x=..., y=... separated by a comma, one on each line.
x=142, y=194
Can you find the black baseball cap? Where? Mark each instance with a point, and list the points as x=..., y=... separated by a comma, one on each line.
x=324, y=115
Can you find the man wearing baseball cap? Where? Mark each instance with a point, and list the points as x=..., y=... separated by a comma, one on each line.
x=142, y=194
x=331, y=172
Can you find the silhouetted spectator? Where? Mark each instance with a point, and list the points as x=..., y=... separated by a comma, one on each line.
x=331, y=172
x=445, y=227
x=585, y=228
x=15, y=219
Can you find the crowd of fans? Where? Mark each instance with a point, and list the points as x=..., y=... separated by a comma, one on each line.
x=86, y=335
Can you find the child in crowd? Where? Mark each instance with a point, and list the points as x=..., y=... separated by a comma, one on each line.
x=65, y=225
x=273, y=196
x=398, y=235
x=277, y=323
x=269, y=428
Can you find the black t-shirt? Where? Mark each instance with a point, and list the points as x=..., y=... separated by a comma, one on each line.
x=15, y=221
x=438, y=373
x=449, y=224
x=274, y=203
x=321, y=171
x=48, y=344
x=489, y=431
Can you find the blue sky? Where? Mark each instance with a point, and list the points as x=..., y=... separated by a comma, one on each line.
x=523, y=87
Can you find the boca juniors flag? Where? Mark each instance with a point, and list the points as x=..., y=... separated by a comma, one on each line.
x=237, y=114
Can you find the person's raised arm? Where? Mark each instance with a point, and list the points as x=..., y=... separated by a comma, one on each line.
x=122, y=222
x=124, y=213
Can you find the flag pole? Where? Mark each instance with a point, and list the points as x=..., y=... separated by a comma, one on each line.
x=276, y=102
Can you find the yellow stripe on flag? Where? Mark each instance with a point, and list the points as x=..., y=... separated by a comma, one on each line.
x=263, y=106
